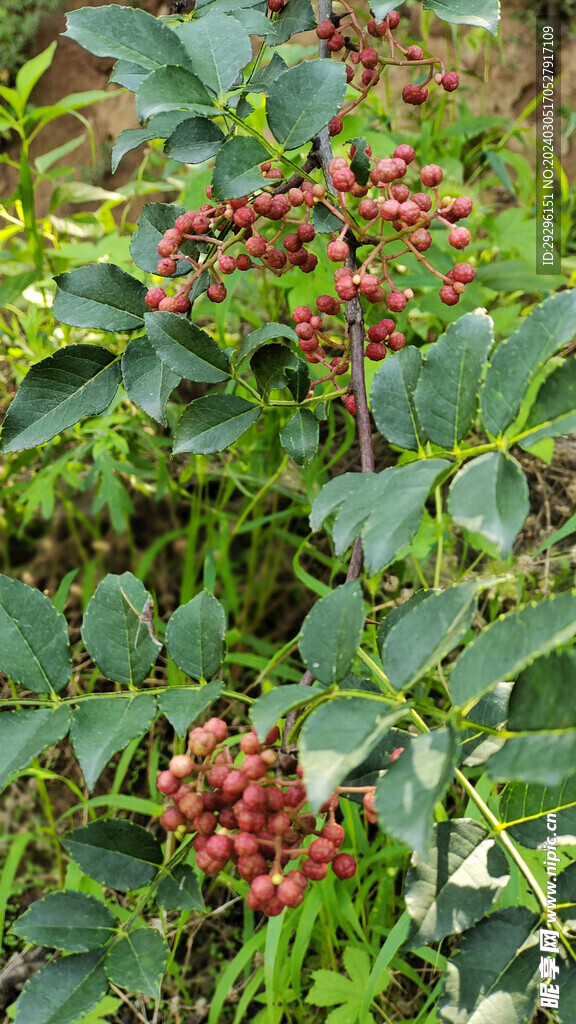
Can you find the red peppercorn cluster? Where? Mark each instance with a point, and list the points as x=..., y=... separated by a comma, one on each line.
x=246, y=811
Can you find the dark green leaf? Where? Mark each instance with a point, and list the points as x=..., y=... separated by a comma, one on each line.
x=180, y=889
x=129, y=75
x=337, y=737
x=67, y=920
x=299, y=437
x=296, y=16
x=456, y=885
x=271, y=706
x=126, y=33
x=187, y=350
x=298, y=380
x=476, y=746
x=268, y=366
x=259, y=337
x=505, y=647
x=218, y=48
x=183, y=704
x=77, y=381
x=446, y=397
x=543, y=695
x=116, y=853
x=194, y=140
x=427, y=633
x=324, y=220
x=331, y=633
x=255, y=23
x=101, y=726
x=414, y=783
x=25, y=734
x=116, y=638
x=138, y=962
x=148, y=381
x=482, y=14
x=320, y=85
x=63, y=991
x=554, y=411
x=195, y=636
x=171, y=88
x=517, y=360
x=392, y=398
x=545, y=758
x=398, y=612
x=155, y=219
x=237, y=168
x=34, y=647
x=489, y=496
x=213, y=423
x=479, y=987
x=261, y=79
x=360, y=163
x=101, y=296
x=523, y=811
x=159, y=127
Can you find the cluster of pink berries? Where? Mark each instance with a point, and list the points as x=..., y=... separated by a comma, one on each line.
x=246, y=811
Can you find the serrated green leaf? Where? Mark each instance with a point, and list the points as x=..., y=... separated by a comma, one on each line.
x=484, y=14
x=397, y=613
x=195, y=636
x=101, y=726
x=34, y=647
x=101, y=296
x=25, y=734
x=194, y=140
x=185, y=348
x=545, y=758
x=456, y=884
x=517, y=360
x=489, y=496
x=138, y=962
x=321, y=85
x=149, y=382
x=63, y=991
x=116, y=853
x=213, y=423
x=155, y=219
x=392, y=398
x=71, y=921
x=259, y=337
x=116, y=638
x=554, y=411
x=523, y=809
x=331, y=633
x=360, y=163
x=298, y=380
x=447, y=393
x=299, y=437
x=173, y=88
x=218, y=48
x=268, y=709
x=125, y=33
x=269, y=364
x=183, y=704
x=337, y=737
x=237, y=168
x=160, y=127
x=476, y=745
x=504, y=648
x=324, y=221
x=297, y=16
x=77, y=381
x=180, y=889
x=261, y=79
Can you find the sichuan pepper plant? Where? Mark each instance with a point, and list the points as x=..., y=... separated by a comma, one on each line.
x=458, y=742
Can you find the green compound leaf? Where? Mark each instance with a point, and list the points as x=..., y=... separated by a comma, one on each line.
x=337, y=737
x=413, y=785
x=427, y=632
x=171, y=88
x=213, y=423
x=155, y=219
x=447, y=394
x=34, y=647
x=25, y=734
x=331, y=633
x=321, y=84
x=237, y=168
x=149, y=382
x=554, y=411
x=187, y=350
x=159, y=127
x=482, y=14
x=271, y=706
x=517, y=360
x=195, y=636
x=117, y=639
x=116, y=853
x=101, y=726
x=392, y=398
x=504, y=648
x=456, y=884
x=67, y=920
x=297, y=16
x=523, y=809
x=101, y=296
x=489, y=496
x=125, y=33
x=183, y=704
x=77, y=381
x=64, y=991
x=478, y=987
x=218, y=49
x=300, y=436
x=194, y=140
x=180, y=889
x=138, y=962
x=253, y=341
